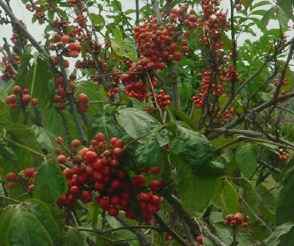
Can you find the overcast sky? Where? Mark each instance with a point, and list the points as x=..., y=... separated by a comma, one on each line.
x=37, y=32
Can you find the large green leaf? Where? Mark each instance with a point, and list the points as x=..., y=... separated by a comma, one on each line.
x=74, y=237
x=228, y=197
x=22, y=228
x=246, y=159
x=124, y=47
x=148, y=153
x=278, y=236
x=136, y=123
x=50, y=183
x=285, y=208
x=44, y=214
x=97, y=20
x=39, y=83
x=194, y=149
x=196, y=192
x=288, y=7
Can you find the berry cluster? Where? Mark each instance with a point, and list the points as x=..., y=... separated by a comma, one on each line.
x=8, y=67
x=283, y=154
x=20, y=96
x=66, y=43
x=227, y=115
x=159, y=43
x=236, y=219
x=163, y=99
x=182, y=16
x=83, y=103
x=60, y=90
x=38, y=11
x=95, y=173
x=199, y=240
x=25, y=177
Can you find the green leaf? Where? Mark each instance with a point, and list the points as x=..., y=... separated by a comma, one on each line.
x=22, y=228
x=136, y=123
x=246, y=3
x=276, y=237
x=246, y=159
x=229, y=198
x=50, y=183
x=193, y=148
x=148, y=153
x=44, y=138
x=39, y=83
x=124, y=47
x=74, y=237
x=97, y=20
x=285, y=207
x=196, y=192
x=44, y=214
x=288, y=7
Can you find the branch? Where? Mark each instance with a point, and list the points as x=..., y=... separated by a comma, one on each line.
x=136, y=230
x=72, y=105
x=253, y=76
x=137, y=12
x=283, y=74
x=156, y=10
x=234, y=45
x=21, y=27
x=175, y=235
x=212, y=237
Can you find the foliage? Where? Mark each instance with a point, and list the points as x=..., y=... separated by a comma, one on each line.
x=157, y=125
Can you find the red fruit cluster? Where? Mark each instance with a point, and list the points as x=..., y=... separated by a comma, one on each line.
x=25, y=177
x=180, y=14
x=230, y=74
x=83, y=102
x=159, y=43
x=60, y=92
x=236, y=219
x=95, y=174
x=163, y=99
x=67, y=43
x=213, y=24
x=8, y=64
x=227, y=115
x=22, y=96
x=206, y=85
x=38, y=11
x=283, y=154
x=199, y=240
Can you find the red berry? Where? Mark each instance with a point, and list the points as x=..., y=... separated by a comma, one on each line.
x=83, y=98
x=86, y=196
x=154, y=170
x=74, y=189
x=29, y=172
x=26, y=98
x=16, y=90
x=61, y=159
x=65, y=39
x=100, y=137
x=34, y=102
x=155, y=185
x=75, y=143
x=138, y=181
x=113, y=212
x=12, y=176
x=90, y=156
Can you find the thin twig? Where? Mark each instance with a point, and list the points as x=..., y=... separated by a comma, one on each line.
x=21, y=27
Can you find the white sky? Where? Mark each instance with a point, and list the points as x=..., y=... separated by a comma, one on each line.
x=37, y=30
